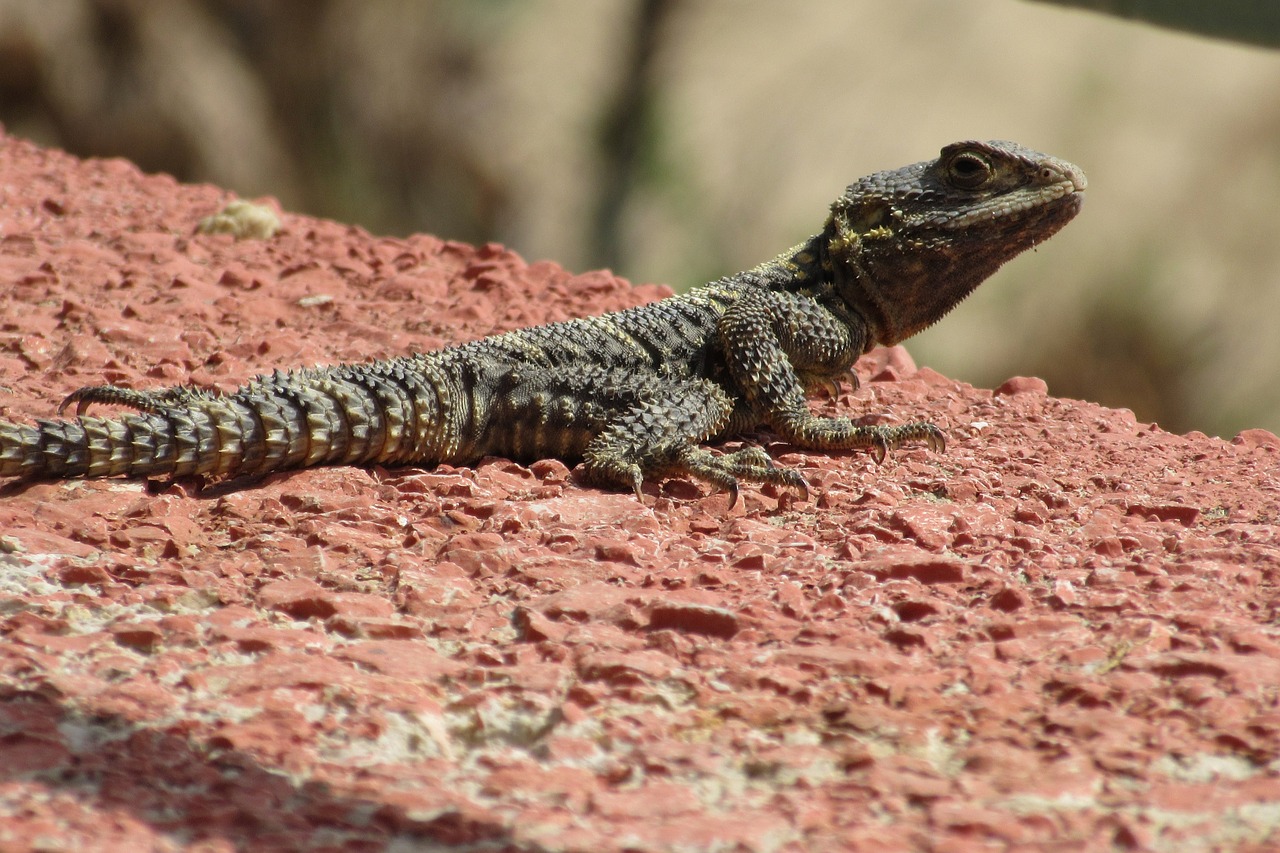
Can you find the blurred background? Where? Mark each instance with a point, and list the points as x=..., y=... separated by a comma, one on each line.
x=678, y=140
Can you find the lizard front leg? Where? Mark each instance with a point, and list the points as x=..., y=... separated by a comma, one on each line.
x=776, y=343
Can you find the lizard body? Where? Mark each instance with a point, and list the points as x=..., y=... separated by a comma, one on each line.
x=633, y=393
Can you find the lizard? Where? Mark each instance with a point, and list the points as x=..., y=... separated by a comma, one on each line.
x=632, y=394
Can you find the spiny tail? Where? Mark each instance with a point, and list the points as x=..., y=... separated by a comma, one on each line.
x=385, y=412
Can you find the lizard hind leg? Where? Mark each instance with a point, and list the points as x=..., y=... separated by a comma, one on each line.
x=657, y=436
x=651, y=430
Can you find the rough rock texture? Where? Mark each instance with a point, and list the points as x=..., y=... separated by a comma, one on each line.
x=1062, y=630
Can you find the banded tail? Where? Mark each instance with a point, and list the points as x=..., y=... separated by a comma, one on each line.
x=384, y=412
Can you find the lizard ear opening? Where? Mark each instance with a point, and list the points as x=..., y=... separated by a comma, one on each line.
x=861, y=217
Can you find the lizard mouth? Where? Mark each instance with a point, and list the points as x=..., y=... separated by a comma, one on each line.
x=1063, y=196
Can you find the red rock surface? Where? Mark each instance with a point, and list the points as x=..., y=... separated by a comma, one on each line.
x=1062, y=631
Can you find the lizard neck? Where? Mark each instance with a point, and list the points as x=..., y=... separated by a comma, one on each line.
x=897, y=290
x=811, y=270
x=854, y=292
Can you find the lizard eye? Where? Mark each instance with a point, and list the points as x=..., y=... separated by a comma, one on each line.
x=968, y=170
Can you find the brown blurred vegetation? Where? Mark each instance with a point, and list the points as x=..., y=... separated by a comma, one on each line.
x=678, y=141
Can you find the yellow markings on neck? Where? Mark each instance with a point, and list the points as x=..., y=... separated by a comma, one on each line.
x=845, y=243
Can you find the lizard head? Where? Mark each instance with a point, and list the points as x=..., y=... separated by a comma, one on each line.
x=907, y=246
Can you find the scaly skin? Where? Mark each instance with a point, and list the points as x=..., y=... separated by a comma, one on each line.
x=633, y=394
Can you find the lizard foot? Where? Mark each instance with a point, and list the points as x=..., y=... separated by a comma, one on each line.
x=725, y=471
x=885, y=438
x=750, y=463
x=156, y=402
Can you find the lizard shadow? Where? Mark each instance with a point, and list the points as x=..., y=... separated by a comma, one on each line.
x=192, y=790
x=196, y=486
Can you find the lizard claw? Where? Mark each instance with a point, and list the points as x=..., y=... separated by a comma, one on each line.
x=935, y=440
x=803, y=486
x=79, y=398
x=880, y=449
